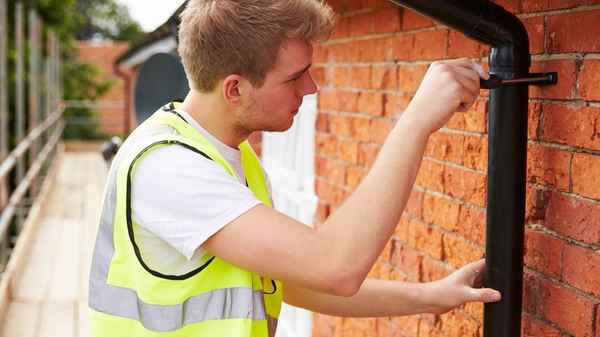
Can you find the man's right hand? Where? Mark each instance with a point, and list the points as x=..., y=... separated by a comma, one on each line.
x=448, y=86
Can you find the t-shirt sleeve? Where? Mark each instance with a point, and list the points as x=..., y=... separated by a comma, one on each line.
x=184, y=198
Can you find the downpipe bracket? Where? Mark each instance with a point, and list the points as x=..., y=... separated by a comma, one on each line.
x=539, y=79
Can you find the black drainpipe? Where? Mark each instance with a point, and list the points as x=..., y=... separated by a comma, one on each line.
x=507, y=146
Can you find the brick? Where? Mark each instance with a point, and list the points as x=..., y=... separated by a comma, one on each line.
x=589, y=79
x=577, y=219
x=581, y=267
x=360, y=77
x=531, y=293
x=474, y=310
x=512, y=6
x=340, y=126
x=456, y=324
x=533, y=124
x=564, y=89
x=401, y=232
x=360, y=128
x=361, y=24
x=322, y=123
x=430, y=45
x=548, y=166
x=354, y=175
x=543, y=253
x=326, y=145
x=347, y=101
x=395, y=104
x=414, y=205
x=472, y=224
x=440, y=211
x=431, y=176
x=318, y=75
x=371, y=103
x=475, y=153
x=385, y=78
x=532, y=327
x=536, y=202
x=367, y=153
x=545, y=5
x=570, y=311
x=409, y=325
x=585, y=173
x=574, y=32
x=341, y=77
x=446, y=146
x=425, y=238
x=432, y=270
x=379, y=129
x=570, y=125
x=536, y=30
x=348, y=151
x=320, y=53
x=402, y=46
x=387, y=20
x=461, y=46
x=465, y=185
x=325, y=326
x=459, y=252
x=414, y=20
x=410, y=77
x=473, y=120
x=406, y=259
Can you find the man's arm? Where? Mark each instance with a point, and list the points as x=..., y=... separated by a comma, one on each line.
x=382, y=298
x=336, y=257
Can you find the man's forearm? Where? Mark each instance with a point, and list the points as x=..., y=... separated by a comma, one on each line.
x=360, y=228
x=376, y=298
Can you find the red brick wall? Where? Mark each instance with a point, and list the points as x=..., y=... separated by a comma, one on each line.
x=368, y=72
x=111, y=106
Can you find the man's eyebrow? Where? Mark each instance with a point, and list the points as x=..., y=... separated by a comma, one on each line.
x=298, y=73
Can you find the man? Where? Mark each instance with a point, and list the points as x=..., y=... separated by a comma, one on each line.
x=189, y=244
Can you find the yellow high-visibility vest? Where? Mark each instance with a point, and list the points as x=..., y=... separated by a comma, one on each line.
x=128, y=299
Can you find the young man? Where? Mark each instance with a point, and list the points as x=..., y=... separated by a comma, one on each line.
x=189, y=244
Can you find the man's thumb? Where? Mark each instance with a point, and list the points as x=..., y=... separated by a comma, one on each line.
x=485, y=295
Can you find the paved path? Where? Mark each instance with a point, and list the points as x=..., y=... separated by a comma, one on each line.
x=50, y=299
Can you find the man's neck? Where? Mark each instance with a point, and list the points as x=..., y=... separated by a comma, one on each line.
x=213, y=115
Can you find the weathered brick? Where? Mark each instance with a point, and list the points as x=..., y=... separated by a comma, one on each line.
x=570, y=125
x=360, y=128
x=585, y=173
x=347, y=101
x=543, y=253
x=536, y=31
x=414, y=205
x=565, y=88
x=430, y=45
x=425, y=238
x=581, y=267
x=318, y=75
x=461, y=46
x=401, y=47
x=459, y=252
x=322, y=123
x=441, y=211
x=476, y=152
x=395, y=104
x=532, y=327
x=432, y=270
x=548, y=166
x=385, y=77
x=326, y=145
x=536, y=201
x=589, y=79
x=471, y=224
x=446, y=146
x=406, y=259
x=574, y=32
x=342, y=29
x=361, y=24
x=533, y=124
x=469, y=186
x=367, y=153
x=348, y=151
x=340, y=125
x=574, y=218
x=379, y=129
x=371, y=103
x=341, y=77
x=570, y=311
x=360, y=77
x=414, y=20
x=545, y=5
x=532, y=293
x=473, y=120
x=431, y=176
x=410, y=77
x=354, y=175
x=387, y=20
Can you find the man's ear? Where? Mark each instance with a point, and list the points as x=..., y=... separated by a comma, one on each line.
x=232, y=89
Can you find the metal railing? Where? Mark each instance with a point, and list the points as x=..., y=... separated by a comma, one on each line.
x=24, y=165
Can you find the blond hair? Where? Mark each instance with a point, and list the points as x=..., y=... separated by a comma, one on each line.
x=222, y=37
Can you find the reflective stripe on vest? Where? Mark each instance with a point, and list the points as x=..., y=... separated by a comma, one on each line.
x=238, y=297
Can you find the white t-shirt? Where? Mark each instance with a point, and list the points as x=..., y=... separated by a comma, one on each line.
x=180, y=198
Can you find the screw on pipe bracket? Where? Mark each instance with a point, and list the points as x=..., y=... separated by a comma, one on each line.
x=532, y=79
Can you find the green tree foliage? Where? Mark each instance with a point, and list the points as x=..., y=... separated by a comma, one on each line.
x=73, y=20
